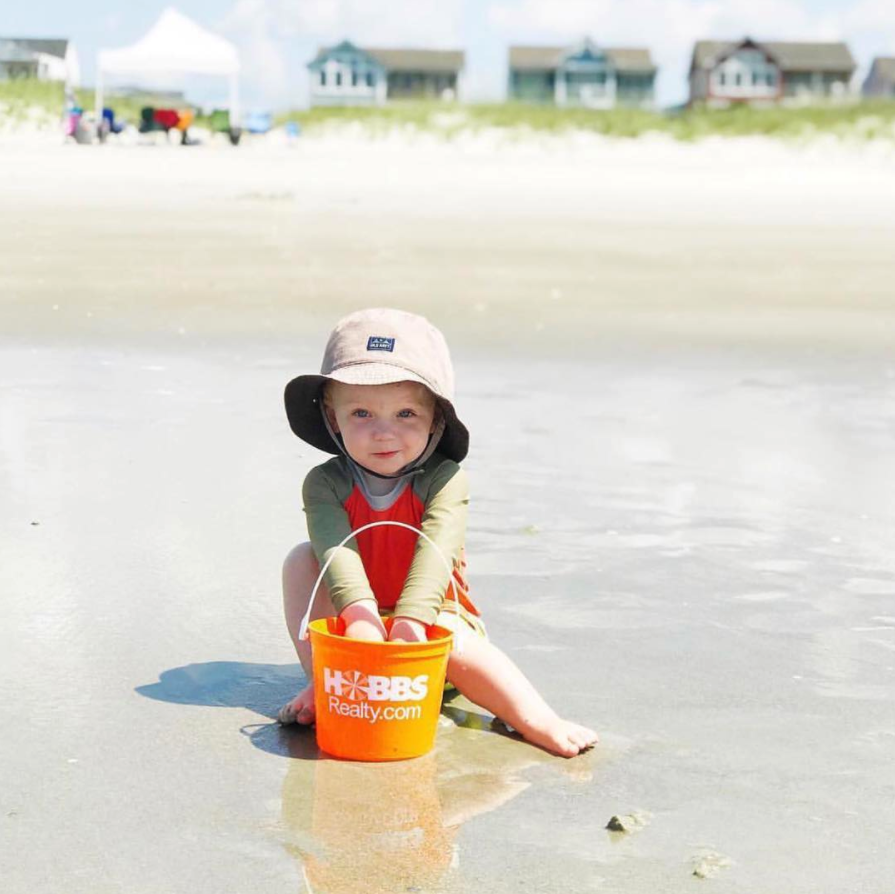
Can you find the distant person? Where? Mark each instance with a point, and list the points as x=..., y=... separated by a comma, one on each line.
x=383, y=405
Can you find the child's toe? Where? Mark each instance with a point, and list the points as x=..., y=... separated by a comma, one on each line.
x=286, y=714
x=581, y=739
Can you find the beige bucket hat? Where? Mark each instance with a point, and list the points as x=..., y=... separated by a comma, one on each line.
x=377, y=347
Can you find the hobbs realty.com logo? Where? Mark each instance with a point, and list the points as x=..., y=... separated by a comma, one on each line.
x=353, y=694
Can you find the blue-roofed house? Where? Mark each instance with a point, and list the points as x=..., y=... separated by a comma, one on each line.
x=582, y=75
x=347, y=74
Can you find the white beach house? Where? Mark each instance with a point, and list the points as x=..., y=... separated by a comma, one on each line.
x=43, y=59
x=727, y=72
x=350, y=75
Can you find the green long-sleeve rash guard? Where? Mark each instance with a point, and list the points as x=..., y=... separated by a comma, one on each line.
x=442, y=490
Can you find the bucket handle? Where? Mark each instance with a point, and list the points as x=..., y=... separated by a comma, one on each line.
x=303, y=628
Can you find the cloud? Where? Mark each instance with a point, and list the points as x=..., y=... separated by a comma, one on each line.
x=871, y=15
x=277, y=37
x=434, y=23
x=250, y=25
x=673, y=18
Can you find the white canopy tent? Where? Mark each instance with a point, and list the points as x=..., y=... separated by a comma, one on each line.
x=174, y=44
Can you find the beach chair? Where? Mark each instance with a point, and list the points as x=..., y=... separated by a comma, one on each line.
x=258, y=122
x=220, y=123
x=73, y=120
x=185, y=118
x=110, y=124
x=147, y=120
x=166, y=119
x=79, y=127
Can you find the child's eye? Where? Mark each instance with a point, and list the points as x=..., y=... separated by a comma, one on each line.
x=406, y=414
x=361, y=414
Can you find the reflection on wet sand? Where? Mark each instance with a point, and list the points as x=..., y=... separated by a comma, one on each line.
x=393, y=827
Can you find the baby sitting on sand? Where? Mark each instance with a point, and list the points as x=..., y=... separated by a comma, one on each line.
x=383, y=405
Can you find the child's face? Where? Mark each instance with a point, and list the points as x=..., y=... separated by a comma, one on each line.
x=383, y=427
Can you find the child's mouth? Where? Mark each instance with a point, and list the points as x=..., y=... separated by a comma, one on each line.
x=386, y=454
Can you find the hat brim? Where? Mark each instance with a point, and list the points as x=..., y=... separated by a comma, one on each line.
x=376, y=374
x=304, y=394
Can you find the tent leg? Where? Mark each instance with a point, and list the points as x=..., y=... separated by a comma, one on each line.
x=99, y=102
x=234, y=100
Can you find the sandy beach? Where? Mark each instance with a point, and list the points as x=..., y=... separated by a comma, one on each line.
x=677, y=363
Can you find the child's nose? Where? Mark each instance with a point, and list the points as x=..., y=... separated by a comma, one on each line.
x=382, y=429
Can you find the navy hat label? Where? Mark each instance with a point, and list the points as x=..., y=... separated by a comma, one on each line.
x=378, y=343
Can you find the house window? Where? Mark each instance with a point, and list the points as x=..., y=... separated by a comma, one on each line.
x=369, y=78
x=322, y=77
x=338, y=78
x=738, y=79
x=722, y=78
x=354, y=77
x=770, y=79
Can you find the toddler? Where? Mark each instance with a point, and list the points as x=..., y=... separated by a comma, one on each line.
x=383, y=405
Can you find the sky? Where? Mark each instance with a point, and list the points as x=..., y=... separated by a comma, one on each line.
x=277, y=38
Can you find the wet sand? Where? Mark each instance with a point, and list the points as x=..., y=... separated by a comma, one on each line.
x=681, y=388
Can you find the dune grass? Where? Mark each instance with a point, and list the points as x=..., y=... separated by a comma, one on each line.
x=861, y=120
x=20, y=99
x=28, y=98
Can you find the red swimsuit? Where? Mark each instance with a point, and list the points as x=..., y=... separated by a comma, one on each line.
x=387, y=551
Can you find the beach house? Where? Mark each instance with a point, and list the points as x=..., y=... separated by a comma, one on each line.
x=727, y=72
x=880, y=80
x=348, y=75
x=582, y=75
x=43, y=59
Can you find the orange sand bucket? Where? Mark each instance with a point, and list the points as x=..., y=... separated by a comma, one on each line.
x=376, y=701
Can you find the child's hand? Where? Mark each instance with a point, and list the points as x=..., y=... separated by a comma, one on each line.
x=362, y=621
x=407, y=630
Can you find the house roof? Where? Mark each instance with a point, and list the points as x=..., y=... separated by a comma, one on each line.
x=345, y=45
x=419, y=60
x=437, y=61
x=11, y=51
x=883, y=68
x=51, y=46
x=525, y=58
x=791, y=56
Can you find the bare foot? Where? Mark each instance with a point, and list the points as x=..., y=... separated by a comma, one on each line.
x=300, y=710
x=560, y=736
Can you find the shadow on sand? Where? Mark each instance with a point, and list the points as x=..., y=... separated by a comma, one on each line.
x=264, y=688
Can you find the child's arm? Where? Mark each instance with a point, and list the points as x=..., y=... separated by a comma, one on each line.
x=324, y=492
x=444, y=521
